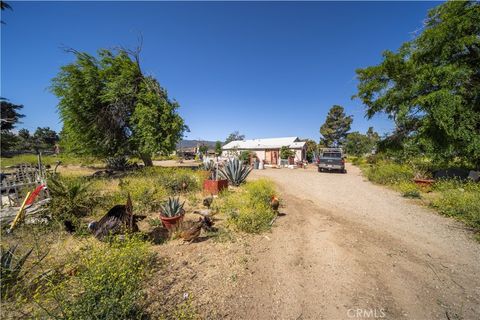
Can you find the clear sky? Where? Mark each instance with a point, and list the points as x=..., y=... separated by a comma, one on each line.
x=267, y=69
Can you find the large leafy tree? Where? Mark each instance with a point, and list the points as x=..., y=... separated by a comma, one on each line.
x=335, y=128
x=234, y=136
x=110, y=108
x=9, y=117
x=45, y=138
x=430, y=87
x=358, y=144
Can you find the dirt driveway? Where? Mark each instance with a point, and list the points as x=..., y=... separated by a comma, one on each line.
x=347, y=249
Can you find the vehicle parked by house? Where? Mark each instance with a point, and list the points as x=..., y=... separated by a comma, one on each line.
x=331, y=159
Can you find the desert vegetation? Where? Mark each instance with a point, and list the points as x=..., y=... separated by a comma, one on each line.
x=57, y=269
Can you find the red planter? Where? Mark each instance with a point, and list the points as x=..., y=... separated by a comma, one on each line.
x=214, y=186
x=171, y=222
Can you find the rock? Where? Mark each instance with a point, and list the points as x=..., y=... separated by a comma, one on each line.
x=474, y=176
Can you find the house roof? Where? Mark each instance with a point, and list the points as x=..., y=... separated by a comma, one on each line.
x=270, y=143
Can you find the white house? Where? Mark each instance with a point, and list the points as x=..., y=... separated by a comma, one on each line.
x=268, y=150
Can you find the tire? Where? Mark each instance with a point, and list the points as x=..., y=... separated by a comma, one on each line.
x=344, y=171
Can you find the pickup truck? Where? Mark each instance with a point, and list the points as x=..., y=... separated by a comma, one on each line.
x=331, y=159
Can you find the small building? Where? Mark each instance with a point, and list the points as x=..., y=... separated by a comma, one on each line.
x=268, y=150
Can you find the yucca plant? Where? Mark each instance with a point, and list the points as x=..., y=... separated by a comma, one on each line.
x=71, y=198
x=172, y=207
x=10, y=268
x=235, y=171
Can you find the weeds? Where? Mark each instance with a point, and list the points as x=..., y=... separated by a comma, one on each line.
x=389, y=173
x=459, y=200
x=409, y=189
x=248, y=210
x=106, y=285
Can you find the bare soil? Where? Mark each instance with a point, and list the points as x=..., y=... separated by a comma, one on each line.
x=343, y=248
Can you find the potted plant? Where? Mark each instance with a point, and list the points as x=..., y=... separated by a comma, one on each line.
x=214, y=184
x=172, y=212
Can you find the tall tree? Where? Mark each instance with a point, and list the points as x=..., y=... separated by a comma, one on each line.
x=9, y=116
x=335, y=128
x=234, y=136
x=357, y=144
x=110, y=108
x=44, y=138
x=430, y=87
x=218, y=148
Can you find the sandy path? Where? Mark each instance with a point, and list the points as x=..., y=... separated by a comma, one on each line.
x=347, y=249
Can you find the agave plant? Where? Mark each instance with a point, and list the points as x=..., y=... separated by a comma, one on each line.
x=10, y=269
x=235, y=171
x=172, y=207
x=211, y=167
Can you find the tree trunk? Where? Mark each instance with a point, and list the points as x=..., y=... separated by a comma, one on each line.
x=147, y=160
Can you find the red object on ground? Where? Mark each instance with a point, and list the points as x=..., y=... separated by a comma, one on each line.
x=171, y=223
x=34, y=194
x=214, y=186
x=424, y=182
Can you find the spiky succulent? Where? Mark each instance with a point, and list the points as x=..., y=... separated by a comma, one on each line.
x=172, y=207
x=235, y=171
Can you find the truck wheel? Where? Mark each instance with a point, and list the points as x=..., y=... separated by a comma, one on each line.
x=344, y=171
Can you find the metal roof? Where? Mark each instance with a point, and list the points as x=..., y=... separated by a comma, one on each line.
x=270, y=143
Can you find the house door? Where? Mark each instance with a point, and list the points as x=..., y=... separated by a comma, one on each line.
x=274, y=157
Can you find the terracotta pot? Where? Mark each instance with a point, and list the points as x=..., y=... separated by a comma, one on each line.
x=171, y=222
x=214, y=186
x=424, y=182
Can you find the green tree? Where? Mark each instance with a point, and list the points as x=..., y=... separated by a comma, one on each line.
x=335, y=128
x=203, y=149
x=44, y=138
x=218, y=148
x=357, y=144
x=234, y=136
x=9, y=117
x=430, y=87
x=24, y=141
x=312, y=148
x=110, y=108
x=286, y=152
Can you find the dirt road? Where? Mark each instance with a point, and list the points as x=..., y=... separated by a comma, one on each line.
x=347, y=249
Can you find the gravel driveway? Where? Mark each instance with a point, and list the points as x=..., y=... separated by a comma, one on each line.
x=348, y=249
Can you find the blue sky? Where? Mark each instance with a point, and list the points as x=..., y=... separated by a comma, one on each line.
x=267, y=69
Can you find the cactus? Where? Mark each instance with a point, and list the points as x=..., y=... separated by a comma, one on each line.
x=235, y=171
x=172, y=207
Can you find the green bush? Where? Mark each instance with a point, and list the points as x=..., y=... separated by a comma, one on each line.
x=107, y=284
x=72, y=198
x=389, y=173
x=248, y=209
x=408, y=189
x=460, y=200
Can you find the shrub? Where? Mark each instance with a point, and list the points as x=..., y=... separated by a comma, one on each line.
x=72, y=198
x=389, y=173
x=408, y=189
x=178, y=180
x=107, y=284
x=119, y=163
x=249, y=210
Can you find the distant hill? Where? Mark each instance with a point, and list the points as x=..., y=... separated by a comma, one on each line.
x=193, y=143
